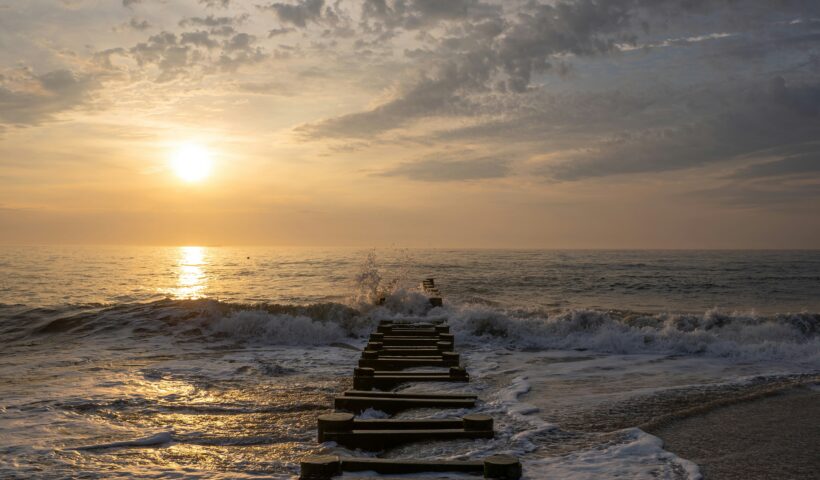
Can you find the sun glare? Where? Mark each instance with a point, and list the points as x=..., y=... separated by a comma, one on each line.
x=191, y=162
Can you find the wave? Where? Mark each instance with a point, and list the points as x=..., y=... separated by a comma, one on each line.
x=204, y=319
x=745, y=336
x=161, y=438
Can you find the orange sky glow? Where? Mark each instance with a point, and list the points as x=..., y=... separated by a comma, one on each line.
x=418, y=124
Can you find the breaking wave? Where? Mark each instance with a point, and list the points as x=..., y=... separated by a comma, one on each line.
x=745, y=336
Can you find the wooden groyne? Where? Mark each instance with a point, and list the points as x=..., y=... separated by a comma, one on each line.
x=395, y=346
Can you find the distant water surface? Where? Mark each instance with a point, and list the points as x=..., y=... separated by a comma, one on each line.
x=651, y=281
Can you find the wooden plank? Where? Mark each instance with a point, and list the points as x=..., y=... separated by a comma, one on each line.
x=445, y=396
x=325, y=467
x=401, y=363
x=377, y=440
x=358, y=404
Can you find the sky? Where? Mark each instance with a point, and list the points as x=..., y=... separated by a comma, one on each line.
x=412, y=123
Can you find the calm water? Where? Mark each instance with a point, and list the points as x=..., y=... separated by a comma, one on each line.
x=214, y=362
x=653, y=281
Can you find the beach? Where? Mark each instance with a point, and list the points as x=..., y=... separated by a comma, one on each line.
x=774, y=436
x=214, y=362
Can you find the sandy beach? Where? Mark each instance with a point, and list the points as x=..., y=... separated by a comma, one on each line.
x=773, y=437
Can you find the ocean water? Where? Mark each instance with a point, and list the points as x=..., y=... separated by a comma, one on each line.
x=195, y=362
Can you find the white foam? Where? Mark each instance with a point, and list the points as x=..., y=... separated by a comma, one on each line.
x=280, y=329
x=158, y=439
x=746, y=337
x=636, y=455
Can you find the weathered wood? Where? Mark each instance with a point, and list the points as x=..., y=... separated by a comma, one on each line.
x=440, y=346
x=408, y=332
x=376, y=435
x=335, y=465
x=399, y=467
x=377, y=440
x=410, y=320
x=446, y=396
x=411, y=341
x=391, y=405
x=413, y=354
x=373, y=360
x=320, y=467
x=368, y=378
x=503, y=467
x=407, y=352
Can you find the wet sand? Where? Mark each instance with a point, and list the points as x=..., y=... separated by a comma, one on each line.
x=774, y=437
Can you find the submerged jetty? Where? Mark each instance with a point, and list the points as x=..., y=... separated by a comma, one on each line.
x=397, y=345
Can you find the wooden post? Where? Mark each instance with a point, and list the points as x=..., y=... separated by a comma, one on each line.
x=370, y=354
x=477, y=422
x=502, y=467
x=363, y=378
x=458, y=372
x=450, y=358
x=334, y=423
x=320, y=467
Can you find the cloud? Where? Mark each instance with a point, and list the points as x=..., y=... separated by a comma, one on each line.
x=298, y=14
x=427, y=97
x=192, y=53
x=163, y=50
x=480, y=52
x=278, y=31
x=201, y=39
x=805, y=163
x=746, y=124
x=139, y=25
x=216, y=3
x=213, y=21
x=29, y=99
x=444, y=170
x=383, y=15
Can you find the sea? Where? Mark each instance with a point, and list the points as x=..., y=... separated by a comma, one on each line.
x=214, y=362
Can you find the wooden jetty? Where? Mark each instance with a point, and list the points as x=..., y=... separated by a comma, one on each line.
x=395, y=346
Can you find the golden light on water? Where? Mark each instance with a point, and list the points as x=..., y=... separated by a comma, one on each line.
x=192, y=279
x=192, y=162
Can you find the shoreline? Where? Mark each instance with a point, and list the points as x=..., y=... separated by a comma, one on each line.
x=770, y=436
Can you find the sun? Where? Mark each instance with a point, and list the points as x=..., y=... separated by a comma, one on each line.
x=191, y=162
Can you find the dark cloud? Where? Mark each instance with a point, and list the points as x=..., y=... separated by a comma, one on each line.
x=789, y=197
x=139, y=25
x=298, y=14
x=29, y=99
x=200, y=39
x=213, y=21
x=805, y=163
x=487, y=50
x=129, y=3
x=164, y=51
x=384, y=15
x=427, y=97
x=193, y=53
x=746, y=124
x=444, y=170
x=279, y=31
x=483, y=66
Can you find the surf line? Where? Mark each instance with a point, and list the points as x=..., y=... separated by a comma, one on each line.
x=395, y=346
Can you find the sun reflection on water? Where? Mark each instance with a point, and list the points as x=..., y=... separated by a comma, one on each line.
x=192, y=280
